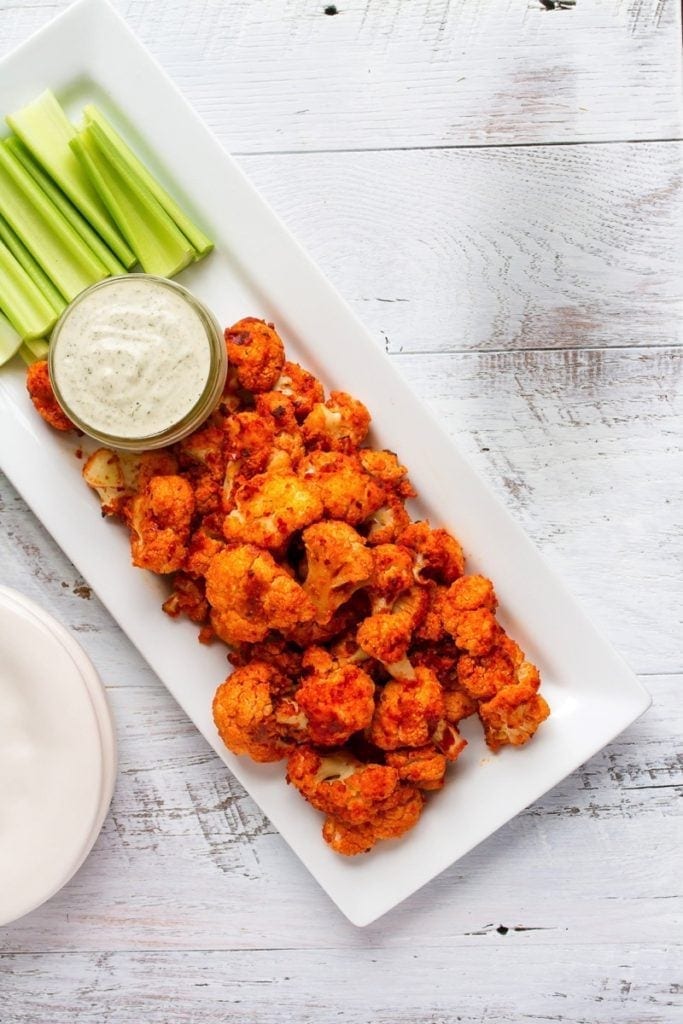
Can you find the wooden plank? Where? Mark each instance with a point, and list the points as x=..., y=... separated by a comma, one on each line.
x=584, y=448
x=269, y=76
x=603, y=985
x=187, y=861
x=551, y=247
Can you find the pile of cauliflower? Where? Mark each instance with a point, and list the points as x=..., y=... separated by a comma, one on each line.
x=358, y=642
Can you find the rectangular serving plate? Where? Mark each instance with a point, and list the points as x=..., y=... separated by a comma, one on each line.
x=258, y=269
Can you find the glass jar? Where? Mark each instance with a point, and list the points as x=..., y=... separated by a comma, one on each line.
x=137, y=362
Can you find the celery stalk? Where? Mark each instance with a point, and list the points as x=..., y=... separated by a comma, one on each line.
x=66, y=207
x=203, y=245
x=21, y=300
x=31, y=266
x=32, y=351
x=10, y=341
x=51, y=240
x=158, y=244
x=46, y=131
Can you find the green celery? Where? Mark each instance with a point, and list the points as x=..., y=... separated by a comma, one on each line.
x=21, y=300
x=202, y=244
x=61, y=252
x=65, y=207
x=46, y=131
x=32, y=267
x=10, y=341
x=158, y=244
x=32, y=351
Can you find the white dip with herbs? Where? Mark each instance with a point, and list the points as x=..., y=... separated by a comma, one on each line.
x=132, y=357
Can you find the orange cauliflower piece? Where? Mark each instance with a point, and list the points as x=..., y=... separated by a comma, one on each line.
x=244, y=711
x=458, y=705
x=187, y=598
x=423, y=767
x=118, y=476
x=338, y=564
x=337, y=700
x=467, y=614
x=347, y=491
x=40, y=390
x=249, y=440
x=407, y=712
x=340, y=424
x=301, y=387
x=386, y=635
x=392, y=575
x=270, y=508
x=386, y=468
x=201, y=548
x=256, y=352
x=160, y=518
x=250, y=594
x=275, y=651
x=339, y=784
x=387, y=523
x=396, y=817
x=431, y=629
x=513, y=715
x=438, y=555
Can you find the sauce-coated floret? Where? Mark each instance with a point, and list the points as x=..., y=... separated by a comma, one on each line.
x=250, y=594
x=160, y=518
x=255, y=352
x=438, y=555
x=337, y=700
x=118, y=476
x=423, y=767
x=347, y=491
x=301, y=387
x=244, y=710
x=188, y=598
x=397, y=816
x=338, y=563
x=339, y=425
x=513, y=715
x=468, y=614
x=408, y=711
x=339, y=784
x=39, y=388
x=270, y=507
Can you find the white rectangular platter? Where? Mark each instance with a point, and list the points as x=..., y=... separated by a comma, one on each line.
x=259, y=270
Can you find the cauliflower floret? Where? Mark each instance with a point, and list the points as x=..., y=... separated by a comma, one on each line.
x=438, y=555
x=397, y=816
x=118, y=476
x=338, y=564
x=339, y=425
x=347, y=491
x=256, y=352
x=160, y=518
x=276, y=652
x=392, y=575
x=301, y=387
x=513, y=715
x=423, y=767
x=250, y=594
x=387, y=523
x=249, y=441
x=386, y=468
x=204, y=448
x=201, y=548
x=344, y=618
x=458, y=705
x=431, y=629
x=43, y=397
x=244, y=710
x=467, y=614
x=386, y=635
x=270, y=508
x=339, y=784
x=441, y=658
x=187, y=598
x=407, y=712
x=337, y=700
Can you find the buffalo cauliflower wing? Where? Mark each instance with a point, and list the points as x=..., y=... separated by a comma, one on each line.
x=244, y=711
x=250, y=594
x=338, y=564
x=423, y=767
x=438, y=555
x=118, y=476
x=347, y=491
x=340, y=424
x=468, y=614
x=40, y=390
x=270, y=507
x=255, y=352
x=397, y=816
x=337, y=701
x=301, y=387
x=407, y=712
x=160, y=518
x=513, y=715
x=339, y=784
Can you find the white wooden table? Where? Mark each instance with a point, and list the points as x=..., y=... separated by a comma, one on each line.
x=496, y=189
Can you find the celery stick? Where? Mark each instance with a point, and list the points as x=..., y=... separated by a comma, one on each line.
x=46, y=131
x=62, y=253
x=32, y=351
x=203, y=245
x=32, y=268
x=66, y=207
x=158, y=244
x=10, y=341
x=21, y=300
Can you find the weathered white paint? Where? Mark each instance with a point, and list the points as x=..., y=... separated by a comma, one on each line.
x=191, y=908
x=274, y=75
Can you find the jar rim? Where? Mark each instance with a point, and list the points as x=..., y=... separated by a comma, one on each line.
x=202, y=408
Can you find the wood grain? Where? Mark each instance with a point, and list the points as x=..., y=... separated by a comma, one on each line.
x=271, y=76
x=540, y=247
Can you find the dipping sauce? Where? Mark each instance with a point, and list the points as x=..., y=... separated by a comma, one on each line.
x=133, y=357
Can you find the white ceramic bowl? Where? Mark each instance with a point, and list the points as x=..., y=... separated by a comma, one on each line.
x=57, y=756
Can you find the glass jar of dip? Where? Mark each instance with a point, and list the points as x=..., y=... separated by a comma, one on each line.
x=137, y=362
